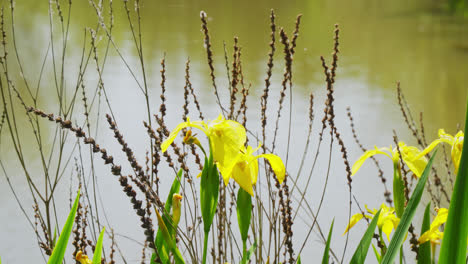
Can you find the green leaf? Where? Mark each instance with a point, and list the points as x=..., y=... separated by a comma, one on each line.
x=174, y=189
x=159, y=241
x=326, y=253
x=377, y=255
x=98, y=249
x=408, y=214
x=424, y=254
x=59, y=250
x=250, y=252
x=297, y=262
x=209, y=191
x=453, y=249
x=244, y=212
x=361, y=251
x=54, y=239
x=168, y=240
x=398, y=191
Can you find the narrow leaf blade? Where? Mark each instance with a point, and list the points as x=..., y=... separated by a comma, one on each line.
x=326, y=253
x=454, y=243
x=424, y=254
x=98, y=249
x=408, y=214
x=361, y=251
x=59, y=250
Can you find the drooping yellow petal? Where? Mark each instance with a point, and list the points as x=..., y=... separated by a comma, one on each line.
x=196, y=124
x=276, y=164
x=428, y=148
x=241, y=173
x=435, y=236
x=387, y=228
x=457, y=148
x=354, y=219
x=369, y=153
x=440, y=219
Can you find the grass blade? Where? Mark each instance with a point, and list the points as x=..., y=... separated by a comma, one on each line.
x=408, y=214
x=361, y=251
x=424, y=254
x=377, y=255
x=98, y=249
x=326, y=253
x=453, y=249
x=59, y=250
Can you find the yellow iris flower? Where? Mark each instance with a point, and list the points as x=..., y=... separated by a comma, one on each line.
x=433, y=234
x=82, y=258
x=226, y=137
x=386, y=223
x=244, y=168
x=411, y=157
x=455, y=141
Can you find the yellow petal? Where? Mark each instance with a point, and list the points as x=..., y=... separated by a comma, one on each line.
x=196, y=124
x=424, y=237
x=227, y=137
x=445, y=137
x=428, y=148
x=276, y=164
x=457, y=149
x=440, y=219
x=354, y=219
x=82, y=258
x=387, y=228
x=241, y=173
x=369, y=153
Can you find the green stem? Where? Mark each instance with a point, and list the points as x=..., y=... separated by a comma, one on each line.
x=244, y=251
x=205, y=246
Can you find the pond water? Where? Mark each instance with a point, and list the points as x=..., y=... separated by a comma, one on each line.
x=381, y=42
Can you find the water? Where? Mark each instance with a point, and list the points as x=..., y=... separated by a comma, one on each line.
x=380, y=43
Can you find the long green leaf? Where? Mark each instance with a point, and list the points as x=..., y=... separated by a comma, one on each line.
x=424, y=253
x=326, y=253
x=377, y=255
x=361, y=251
x=453, y=249
x=250, y=252
x=159, y=241
x=408, y=214
x=168, y=240
x=298, y=260
x=244, y=212
x=209, y=191
x=98, y=249
x=59, y=250
x=398, y=191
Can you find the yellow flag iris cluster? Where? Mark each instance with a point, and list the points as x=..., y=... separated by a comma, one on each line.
x=227, y=144
x=434, y=234
x=386, y=223
x=412, y=156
